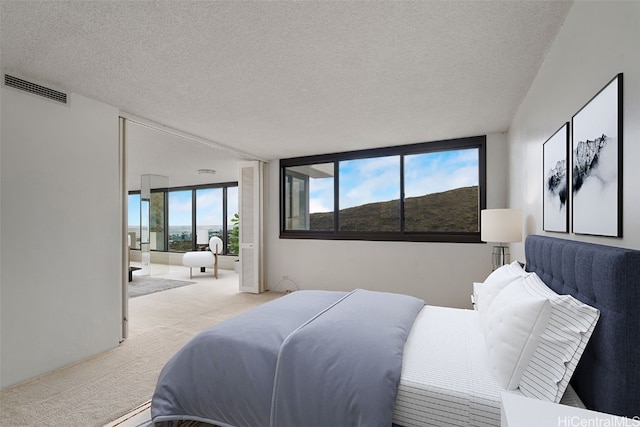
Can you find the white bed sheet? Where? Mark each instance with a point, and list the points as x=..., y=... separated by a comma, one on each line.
x=446, y=378
x=453, y=385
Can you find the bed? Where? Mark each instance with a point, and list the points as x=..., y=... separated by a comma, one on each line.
x=373, y=353
x=608, y=278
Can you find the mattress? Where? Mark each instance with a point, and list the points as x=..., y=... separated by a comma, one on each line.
x=453, y=385
x=446, y=379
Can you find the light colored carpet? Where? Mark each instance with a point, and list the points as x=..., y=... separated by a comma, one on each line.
x=145, y=285
x=97, y=391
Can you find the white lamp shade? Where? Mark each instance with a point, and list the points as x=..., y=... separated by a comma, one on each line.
x=501, y=225
x=202, y=237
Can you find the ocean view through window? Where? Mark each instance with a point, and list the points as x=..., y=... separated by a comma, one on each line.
x=190, y=216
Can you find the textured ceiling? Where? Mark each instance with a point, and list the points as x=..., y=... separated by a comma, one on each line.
x=283, y=79
x=179, y=159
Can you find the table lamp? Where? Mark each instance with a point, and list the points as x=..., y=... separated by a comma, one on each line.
x=202, y=238
x=501, y=226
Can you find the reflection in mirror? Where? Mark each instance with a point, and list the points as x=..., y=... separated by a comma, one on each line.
x=133, y=221
x=149, y=237
x=144, y=220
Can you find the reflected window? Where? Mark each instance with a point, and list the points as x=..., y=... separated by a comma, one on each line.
x=309, y=198
x=133, y=220
x=157, y=221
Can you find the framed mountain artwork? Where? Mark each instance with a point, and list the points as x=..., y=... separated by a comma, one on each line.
x=597, y=163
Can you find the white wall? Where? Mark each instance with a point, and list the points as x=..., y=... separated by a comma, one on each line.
x=598, y=41
x=440, y=273
x=60, y=256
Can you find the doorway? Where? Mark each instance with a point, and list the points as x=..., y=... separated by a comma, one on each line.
x=154, y=150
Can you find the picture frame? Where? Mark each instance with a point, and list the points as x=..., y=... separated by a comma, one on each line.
x=596, y=190
x=555, y=201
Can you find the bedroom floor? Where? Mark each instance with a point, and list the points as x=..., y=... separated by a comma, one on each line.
x=101, y=389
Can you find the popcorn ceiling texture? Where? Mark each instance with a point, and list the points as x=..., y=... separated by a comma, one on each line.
x=282, y=79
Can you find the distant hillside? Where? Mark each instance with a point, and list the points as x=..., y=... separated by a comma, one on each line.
x=454, y=210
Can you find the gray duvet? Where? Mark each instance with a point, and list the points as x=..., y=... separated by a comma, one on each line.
x=311, y=358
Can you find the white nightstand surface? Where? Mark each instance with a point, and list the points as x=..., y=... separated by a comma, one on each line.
x=520, y=411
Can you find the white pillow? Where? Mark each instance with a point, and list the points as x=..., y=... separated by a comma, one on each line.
x=512, y=328
x=496, y=282
x=561, y=344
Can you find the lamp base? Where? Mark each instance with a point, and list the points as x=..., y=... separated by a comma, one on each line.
x=500, y=256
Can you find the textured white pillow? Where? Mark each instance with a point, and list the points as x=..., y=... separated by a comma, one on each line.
x=512, y=327
x=561, y=343
x=496, y=282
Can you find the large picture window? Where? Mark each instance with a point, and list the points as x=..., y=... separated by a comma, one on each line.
x=180, y=221
x=421, y=192
x=369, y=194
x=441, y=191
x=183, y=219
x=209, y=214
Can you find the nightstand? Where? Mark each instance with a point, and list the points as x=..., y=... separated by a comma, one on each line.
x=521, y=411
x=474, y=295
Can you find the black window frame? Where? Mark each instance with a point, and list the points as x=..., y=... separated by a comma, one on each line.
x=479, y=142
x=193, y=188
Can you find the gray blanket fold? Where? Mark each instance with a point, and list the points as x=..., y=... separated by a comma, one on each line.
x=312, y=358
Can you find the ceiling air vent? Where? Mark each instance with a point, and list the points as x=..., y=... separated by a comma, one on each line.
x=36, y=89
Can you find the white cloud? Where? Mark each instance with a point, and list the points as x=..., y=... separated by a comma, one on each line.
x=369, y=180
x=375, y=180
x=438, y=172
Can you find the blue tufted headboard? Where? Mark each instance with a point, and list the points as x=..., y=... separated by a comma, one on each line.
x=607, y=378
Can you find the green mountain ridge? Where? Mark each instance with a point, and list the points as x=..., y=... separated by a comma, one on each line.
x=449, y=211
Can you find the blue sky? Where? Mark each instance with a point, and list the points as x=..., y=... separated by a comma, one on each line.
x=134, y=210
x=378, y=179
x=361, y=181
x=208, y=202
